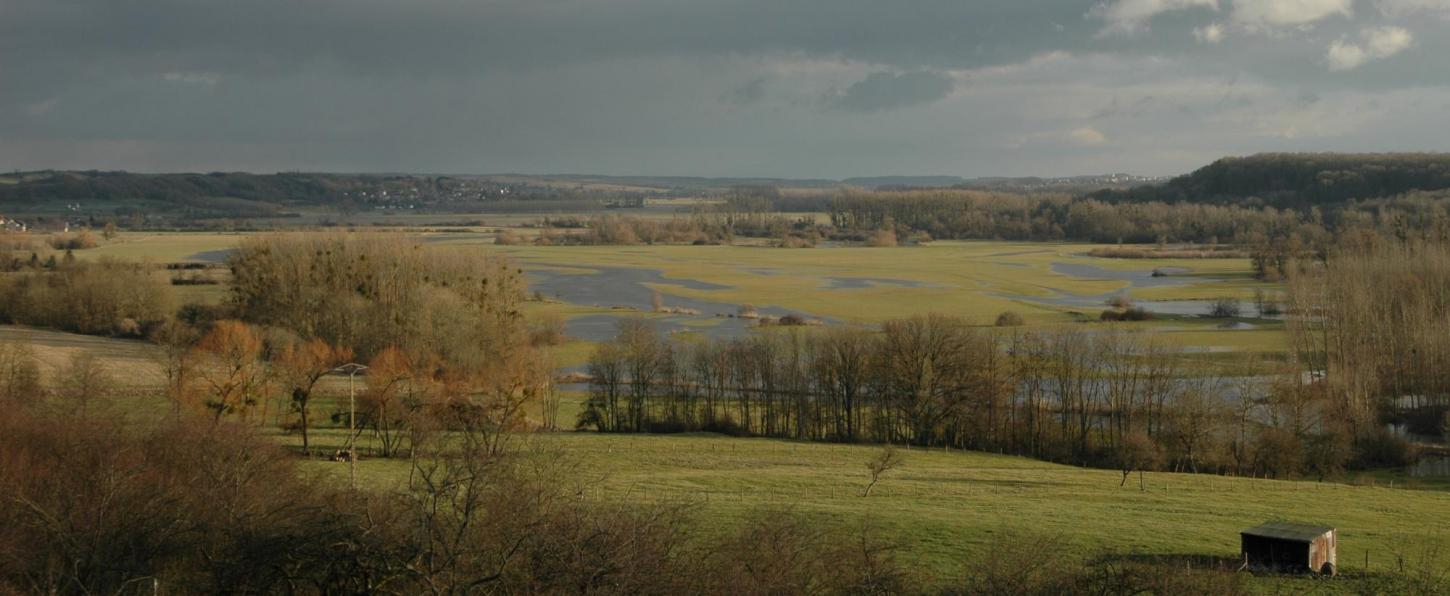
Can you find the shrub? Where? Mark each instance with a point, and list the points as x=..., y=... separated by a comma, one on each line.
x=1009, y=319
x=884, y=237
x=1381, y=448
x=725, y=425
x=791, y=320
x=506, y=237
x=1136, y=313
x=74, y=241
x=547, y=330
x=1225, y=308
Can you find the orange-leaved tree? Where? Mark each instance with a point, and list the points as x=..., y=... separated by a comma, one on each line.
x=299, y=367
x=230, y=368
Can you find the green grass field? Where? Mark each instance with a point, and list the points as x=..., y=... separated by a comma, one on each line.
x=950, y=506
x=128, y=362
x=161, y=247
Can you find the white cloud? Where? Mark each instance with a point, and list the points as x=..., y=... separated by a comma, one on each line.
x=1374, y=43
x=1279, y=14
x=1211, y=33
x=1409, y=8
x=1087, y=136
x=1126, y=17
x=1344, y=55
x=1383, y=42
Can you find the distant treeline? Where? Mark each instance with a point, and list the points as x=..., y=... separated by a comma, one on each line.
x=1297, y=180
x=948, y=214
x=884, y=217
x=167, y=197
x=1090, y=397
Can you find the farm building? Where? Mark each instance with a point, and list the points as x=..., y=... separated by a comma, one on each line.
x=1291, y=546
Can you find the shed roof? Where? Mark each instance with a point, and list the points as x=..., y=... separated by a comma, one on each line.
x=1283, y=530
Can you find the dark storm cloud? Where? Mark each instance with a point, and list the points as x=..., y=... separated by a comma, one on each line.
x=885, y=90
x=725, y=87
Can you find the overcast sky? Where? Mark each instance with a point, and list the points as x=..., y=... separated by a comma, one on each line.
x=792, y=88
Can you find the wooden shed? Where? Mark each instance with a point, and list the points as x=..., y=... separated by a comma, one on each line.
x=1291, y=546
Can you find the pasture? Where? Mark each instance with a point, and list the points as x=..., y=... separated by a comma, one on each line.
x=950, y=505
x=129, y=362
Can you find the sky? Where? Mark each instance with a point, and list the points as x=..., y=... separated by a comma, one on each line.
x=781, y=88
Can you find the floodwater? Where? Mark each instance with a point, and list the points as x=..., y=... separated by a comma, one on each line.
x=212, y=256
x=624, y=288
x=1139, y=279
x=1136, y=280
x=1430, y=466
x=861, y=283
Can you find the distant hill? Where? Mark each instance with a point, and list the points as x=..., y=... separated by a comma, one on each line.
x=1028, y=183
x=688, y=183
x=904, y=181
x=246, y=195
x=1063, y=184
x=1283, y=180
x=1297, y=180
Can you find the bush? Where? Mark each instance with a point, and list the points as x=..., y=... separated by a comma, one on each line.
x=725, y=425
x=547, y=330
x=1381, y=448
x=1009, y=319
x=75, y=241
x=885, y=237
x=1120, y=301
x=507, y=238
x=1225, y=308
x=1044, y=566
x=665, y=427
x=1136, y=313
x=791, y=320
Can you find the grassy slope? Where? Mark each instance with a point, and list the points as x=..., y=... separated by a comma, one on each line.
x=161, y=247
x=126, y=361
x=949, y=505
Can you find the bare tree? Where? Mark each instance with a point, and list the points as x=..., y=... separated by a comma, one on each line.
x=82, y=380
x=19, y=373
x=177, y=360
x=887, y=460
x=1138, y=453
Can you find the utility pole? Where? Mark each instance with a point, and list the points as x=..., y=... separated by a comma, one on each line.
x=351, y=369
